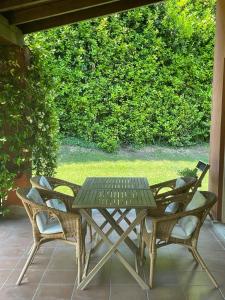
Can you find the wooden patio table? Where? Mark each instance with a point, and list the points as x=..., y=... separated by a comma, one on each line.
x=127, y=193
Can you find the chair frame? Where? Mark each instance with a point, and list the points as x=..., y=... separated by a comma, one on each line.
x=70, y=222
x=156, y=188
x=163, y=225
x=56, y=182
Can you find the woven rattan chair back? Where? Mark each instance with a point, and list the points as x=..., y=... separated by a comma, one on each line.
x=162, y=227
x=69, y=224
x=202, y=169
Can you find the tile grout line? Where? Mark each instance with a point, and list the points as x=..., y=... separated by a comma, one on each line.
x=75, y=283
x=110, y=289
x=13, y=269
x=35, y=293
x=147, y=292
x=216, y=238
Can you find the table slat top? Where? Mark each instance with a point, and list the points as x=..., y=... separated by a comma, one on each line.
x=114, y=192
x=116, y=183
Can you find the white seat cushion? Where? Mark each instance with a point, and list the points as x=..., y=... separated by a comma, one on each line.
x=179, y=233
x=41, y=217
x=189, y=223
x=197, y=201
x=179, y=183
x=53, y=227
x=173, y=207
x=57, y=204
x=148, y=224
x=186, y=225
x=44, y=183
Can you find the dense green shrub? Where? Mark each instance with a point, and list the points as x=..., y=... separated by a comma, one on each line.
x=28, y=122
x=138, y=77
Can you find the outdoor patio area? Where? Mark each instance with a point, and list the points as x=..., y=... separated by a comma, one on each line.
x=53, y=273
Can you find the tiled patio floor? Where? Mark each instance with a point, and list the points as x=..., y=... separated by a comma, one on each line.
x=53, y=273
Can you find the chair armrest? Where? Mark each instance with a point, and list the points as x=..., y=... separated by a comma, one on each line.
x=182, y=199
x=168, y=183
x=56, y=182
x=71, y=223
x=155, y=188
x=66, y=199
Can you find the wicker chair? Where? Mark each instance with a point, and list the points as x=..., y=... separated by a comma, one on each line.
x=51, y=183
x=182, y=184
x=173, y=187
x=162, y=229
x=50, y=224
x=202, y=169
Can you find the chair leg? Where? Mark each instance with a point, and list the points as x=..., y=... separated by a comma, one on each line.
x=142, y=250
x=90, y=232
x=152, y=265
x=36, y=250
x=30, y=257
x=202, y=263
x=83, y=252
x=211, y=216
x=193, y=254
x=79, y=252
x=79, y=267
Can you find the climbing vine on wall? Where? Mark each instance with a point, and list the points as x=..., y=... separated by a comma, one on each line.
x=28, y=121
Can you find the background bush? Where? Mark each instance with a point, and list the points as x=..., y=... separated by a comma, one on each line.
x=138, y=77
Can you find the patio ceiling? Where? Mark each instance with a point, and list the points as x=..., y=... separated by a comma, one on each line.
x=35, y=15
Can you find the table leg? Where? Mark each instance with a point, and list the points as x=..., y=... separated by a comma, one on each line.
x=141, y=215
x=98, y=243
x=119, y=230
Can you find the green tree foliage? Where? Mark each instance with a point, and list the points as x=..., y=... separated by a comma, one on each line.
x=138, y=77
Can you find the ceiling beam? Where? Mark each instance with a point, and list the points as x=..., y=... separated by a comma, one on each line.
x=84, y=14
x=10, y=34
x=6, y=5
x=51, y=9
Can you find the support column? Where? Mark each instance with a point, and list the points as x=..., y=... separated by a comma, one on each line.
x=217, y=135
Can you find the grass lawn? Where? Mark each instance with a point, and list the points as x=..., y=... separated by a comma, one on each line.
x=156, y=163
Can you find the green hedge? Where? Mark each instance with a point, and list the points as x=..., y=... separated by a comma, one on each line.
x=138, y=77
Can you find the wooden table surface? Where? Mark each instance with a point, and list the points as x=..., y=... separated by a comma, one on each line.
x=115, y=192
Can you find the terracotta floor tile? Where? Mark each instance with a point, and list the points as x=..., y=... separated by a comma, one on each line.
x=30, y=277
x=62, y=263
x=4, y=274
x=23, y=292
x=39, y=263
x=220, y=278
x=102, y=278
x=92, y=293
x=194, y=278
x=52, y=292
x=124, y=291
x=12, y=252
x=166, y=293
x=202, y=292
x=59, y=277
x=53, y=272
x=8, y=263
